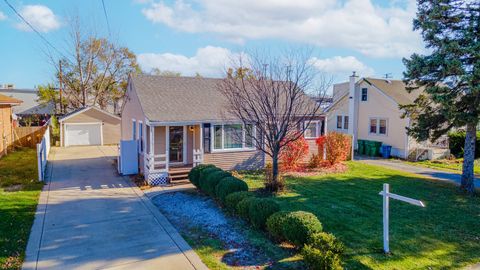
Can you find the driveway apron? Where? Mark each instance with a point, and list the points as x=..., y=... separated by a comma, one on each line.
x=89, y=217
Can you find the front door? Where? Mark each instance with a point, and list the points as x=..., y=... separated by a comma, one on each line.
x=176, y=144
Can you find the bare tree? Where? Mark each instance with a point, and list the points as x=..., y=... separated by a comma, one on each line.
x=274, y=93
x=94, y=69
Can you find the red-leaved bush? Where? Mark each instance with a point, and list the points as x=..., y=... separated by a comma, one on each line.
x=337, y=145
x=293, y=154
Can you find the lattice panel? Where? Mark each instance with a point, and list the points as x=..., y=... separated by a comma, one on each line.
x=155, y=179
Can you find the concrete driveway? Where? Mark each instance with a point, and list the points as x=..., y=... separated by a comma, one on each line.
x=88, y=217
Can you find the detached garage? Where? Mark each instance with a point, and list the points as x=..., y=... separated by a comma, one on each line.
x=89, y=126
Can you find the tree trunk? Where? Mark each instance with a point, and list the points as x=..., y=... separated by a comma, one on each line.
x=467, y=183
x=275, y=184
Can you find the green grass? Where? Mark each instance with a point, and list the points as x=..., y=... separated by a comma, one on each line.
x=19, y=191
x=444, y=235
x=447, y=165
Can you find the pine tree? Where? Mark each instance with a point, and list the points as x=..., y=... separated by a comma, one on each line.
x=450, y=75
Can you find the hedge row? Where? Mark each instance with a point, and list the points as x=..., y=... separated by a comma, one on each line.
x=302, y=229
x=456, y=142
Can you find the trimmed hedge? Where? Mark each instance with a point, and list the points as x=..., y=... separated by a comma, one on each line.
x=194, y=174
x=232, y=200
x=260, y=209
x=316, y=259
x=204, y=175
x=275, y=225
x=243, y=207
x=229, y=185
x=299, y=226
x=323, y=252
x=456, y=142
x=209, y=184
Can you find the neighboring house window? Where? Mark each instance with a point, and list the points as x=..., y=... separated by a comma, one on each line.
x=232, y=136
x=364, y=94
x=312, y=130
x=378, y=126
x=342, y=122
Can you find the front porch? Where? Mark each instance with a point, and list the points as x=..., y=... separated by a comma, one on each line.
x=170, y=151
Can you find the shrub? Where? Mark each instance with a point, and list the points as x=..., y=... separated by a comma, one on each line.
x=299, y=226
x=243, y=207
x=275, y=225
x=229, y=185
x=338, y=147
x=294, y=152
x=260, y=210
x=204, y=175
x=209, y=184
x=194, y=174
x=233, y=199
x=317, y=259
x=456, y=142
x=326, y=241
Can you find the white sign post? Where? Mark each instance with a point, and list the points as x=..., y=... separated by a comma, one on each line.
x=386, y=209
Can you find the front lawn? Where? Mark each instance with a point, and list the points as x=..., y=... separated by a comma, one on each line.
x=447, y=165
x=444, y=235
x=19, y=191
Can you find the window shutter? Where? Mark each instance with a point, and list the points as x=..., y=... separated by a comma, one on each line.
x=206, y=138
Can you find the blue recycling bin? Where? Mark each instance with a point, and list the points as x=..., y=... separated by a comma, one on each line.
x=386, y=150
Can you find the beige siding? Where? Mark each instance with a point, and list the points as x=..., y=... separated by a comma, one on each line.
x=379, y=105
x=241, y=160
x=110, y=125
x=131, y=110
x=5, y=127
x=341, y=108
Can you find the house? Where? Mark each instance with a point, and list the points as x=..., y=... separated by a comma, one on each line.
x=30, y=112
x=368, y=109
x=89, y=126
x=6, y=121
x=180, y=121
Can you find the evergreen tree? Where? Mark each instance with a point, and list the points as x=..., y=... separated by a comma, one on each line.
x=450, y=75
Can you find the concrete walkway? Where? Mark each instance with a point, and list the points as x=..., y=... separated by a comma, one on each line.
x=426, y=172
x=88, y=217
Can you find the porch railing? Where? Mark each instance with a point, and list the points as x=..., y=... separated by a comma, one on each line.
x=197, y=157
x=152, y=162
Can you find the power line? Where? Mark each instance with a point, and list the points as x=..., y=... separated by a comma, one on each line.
x=106, y=17
x=33, y=28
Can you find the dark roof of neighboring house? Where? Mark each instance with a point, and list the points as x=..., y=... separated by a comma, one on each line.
x=181, y=99
x=30, y=104
x=9, y=100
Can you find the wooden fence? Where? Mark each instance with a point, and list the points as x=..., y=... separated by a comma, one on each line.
x=28, y=136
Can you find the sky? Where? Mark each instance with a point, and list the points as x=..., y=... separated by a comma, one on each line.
x=188, y=36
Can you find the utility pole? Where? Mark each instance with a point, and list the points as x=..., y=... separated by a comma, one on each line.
x=60, y=78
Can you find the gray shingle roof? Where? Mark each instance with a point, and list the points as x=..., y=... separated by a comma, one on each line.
x=184, y=99
x=180, y=99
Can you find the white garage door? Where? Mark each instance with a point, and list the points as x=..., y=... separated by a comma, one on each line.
x=83, y=134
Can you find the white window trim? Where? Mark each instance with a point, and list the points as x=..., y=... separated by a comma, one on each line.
x=361, y=94
x=377, y=129
x=317, y=129
x=134, y=129
x=141, y=135
x=223, y=150
x=342, y=122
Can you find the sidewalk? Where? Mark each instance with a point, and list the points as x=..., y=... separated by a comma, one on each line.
x=423, y=171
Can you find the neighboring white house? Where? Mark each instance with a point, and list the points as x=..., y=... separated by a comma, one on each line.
x=368, y=109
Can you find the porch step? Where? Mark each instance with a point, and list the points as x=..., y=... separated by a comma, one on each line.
x=179, y=174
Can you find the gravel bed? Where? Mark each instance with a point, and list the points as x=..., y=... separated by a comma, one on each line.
x=190, y=211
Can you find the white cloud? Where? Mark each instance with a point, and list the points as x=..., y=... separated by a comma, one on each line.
x=208, y=61
x=2, y=16
x=41, y=17
x=353, y=24
x=342, y=66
